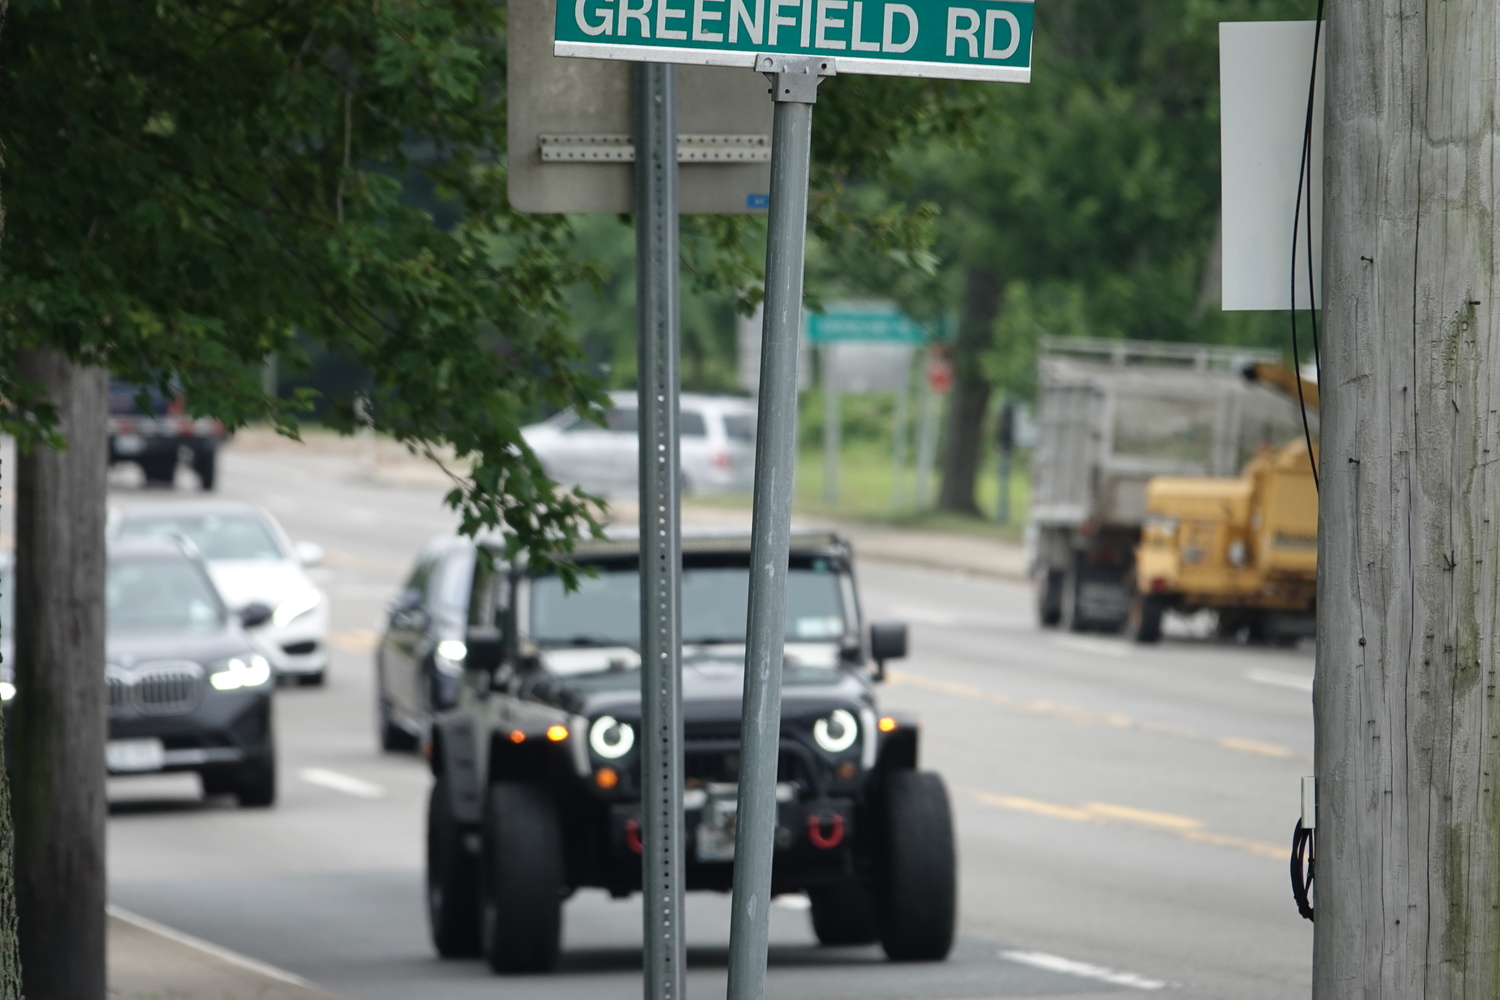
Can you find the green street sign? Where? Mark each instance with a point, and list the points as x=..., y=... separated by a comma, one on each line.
x=958, y=40
x=877, y=322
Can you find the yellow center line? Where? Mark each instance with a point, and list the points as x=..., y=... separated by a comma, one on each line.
x=1109, y=814
x=358, y=640
x=1087, y=717
x=348, y=560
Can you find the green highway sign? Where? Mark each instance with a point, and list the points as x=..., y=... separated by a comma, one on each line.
x=958, y=40
x=878, y=322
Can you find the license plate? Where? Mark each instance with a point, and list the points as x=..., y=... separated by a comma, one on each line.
x=135, y=755
x=129, y=444
x=716, y=830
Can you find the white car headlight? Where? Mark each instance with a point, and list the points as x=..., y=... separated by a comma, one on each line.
x=293, y=608
x=836, y=733
x=611, y=738
x=249, y=672
x=7, y=690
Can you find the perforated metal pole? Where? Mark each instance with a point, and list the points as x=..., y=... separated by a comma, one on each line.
x=661, y=535
x=794, y=87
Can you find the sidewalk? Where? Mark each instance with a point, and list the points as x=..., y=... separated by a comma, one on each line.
x=147, y=961
x=388, y=463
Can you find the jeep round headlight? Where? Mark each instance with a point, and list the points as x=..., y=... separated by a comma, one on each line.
x=611, y=738
x=836, y=733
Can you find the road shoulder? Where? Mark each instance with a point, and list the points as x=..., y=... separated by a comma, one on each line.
x=148, y=961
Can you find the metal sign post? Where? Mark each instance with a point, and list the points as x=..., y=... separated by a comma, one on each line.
x=794, y=45
x=794, y=88
x=658, y=383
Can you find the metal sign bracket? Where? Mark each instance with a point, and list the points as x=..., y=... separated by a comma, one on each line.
x=795, y=79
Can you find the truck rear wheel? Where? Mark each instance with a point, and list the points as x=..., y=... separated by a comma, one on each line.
x=1069, y=614
x=1049, y=597
x=844, y=914
x=918, y=892
x=205, y=466
x=1146, y=612
x=452, y=880
x=524, y=879
x=159, y=470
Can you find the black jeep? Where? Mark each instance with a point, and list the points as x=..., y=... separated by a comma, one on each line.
x=537, y=770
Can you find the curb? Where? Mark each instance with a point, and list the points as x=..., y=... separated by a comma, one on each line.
x=148, y=961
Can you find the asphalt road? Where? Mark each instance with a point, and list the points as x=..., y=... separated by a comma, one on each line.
x=1123, y=813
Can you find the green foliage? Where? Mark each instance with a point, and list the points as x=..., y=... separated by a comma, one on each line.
x=190, y=182
x=1092, y=194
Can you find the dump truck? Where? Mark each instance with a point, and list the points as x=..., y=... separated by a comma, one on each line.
x=1112, y=416
x=1245, y=547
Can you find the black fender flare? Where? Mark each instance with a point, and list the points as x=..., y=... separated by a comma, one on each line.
x=455, y=758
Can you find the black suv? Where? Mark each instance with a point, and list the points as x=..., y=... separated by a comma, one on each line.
x=537, y=769
x=188, y=690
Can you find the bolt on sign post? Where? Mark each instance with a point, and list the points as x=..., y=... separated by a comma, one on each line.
x=796, y=44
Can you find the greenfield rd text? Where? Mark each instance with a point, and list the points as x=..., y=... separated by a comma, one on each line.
x=964, y=39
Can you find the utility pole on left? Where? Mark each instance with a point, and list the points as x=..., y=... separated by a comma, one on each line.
x=60, y=715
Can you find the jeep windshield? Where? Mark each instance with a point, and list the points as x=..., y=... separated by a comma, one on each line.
x=605, y=610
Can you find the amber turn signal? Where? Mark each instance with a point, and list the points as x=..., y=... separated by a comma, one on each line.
x=516, y=736
x=887, y=724
x=557, y=733
x=606, y=778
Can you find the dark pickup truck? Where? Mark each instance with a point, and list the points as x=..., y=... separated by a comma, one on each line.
x=537, y=789
x=158, y=437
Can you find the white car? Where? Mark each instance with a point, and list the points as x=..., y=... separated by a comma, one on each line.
x=717, y=439
x=251, y=561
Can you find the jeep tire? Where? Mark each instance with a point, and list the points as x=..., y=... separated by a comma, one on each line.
x=844, y=914
x=452, y=880
x=917, y=896
x=524, y=879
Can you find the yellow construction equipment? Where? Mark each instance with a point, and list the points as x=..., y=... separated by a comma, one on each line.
x=1246, y=547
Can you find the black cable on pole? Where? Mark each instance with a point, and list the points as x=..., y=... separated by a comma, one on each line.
x=1304, y=189
x=1302, y=869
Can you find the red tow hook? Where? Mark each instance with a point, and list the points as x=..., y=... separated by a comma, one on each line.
x=633, y=836
x=830, y=840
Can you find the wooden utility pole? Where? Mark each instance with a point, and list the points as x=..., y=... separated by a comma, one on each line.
x=60, y=716
x=1407, y=703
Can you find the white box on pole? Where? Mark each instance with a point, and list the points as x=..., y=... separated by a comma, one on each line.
x=1264, y=70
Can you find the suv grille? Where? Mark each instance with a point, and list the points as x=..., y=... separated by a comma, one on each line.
x=157, y=688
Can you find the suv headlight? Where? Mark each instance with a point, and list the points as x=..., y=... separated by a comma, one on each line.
x=837, y=732
x=237, y=672
x=611, y=738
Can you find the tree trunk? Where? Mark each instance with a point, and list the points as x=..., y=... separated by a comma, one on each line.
x=1406, y=706
x=60, y=717
x=10, y=956
x=964, y=434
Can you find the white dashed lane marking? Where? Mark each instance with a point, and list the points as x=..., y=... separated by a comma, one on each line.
x=339, y=782
x=1280, y=678
x=1068, y=967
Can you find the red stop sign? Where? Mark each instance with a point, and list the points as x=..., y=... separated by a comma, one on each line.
x=940, y=374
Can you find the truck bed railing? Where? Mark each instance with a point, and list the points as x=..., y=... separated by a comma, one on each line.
x=1123, y=353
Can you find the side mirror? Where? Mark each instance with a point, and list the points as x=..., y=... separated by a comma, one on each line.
x=887, y=642
x=486, y=648
x=255, y=615
x=308, y=553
